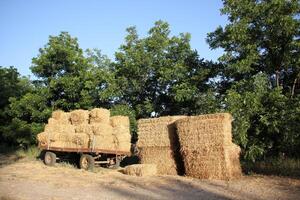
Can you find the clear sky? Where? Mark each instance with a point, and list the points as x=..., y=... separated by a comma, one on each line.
x=26, y=24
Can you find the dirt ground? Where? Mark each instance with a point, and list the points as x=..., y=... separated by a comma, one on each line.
x=31, y=179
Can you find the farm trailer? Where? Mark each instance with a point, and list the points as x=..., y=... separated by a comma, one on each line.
x=86, y=157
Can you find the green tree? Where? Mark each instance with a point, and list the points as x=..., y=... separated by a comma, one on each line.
x=159, y=74
x=12, y=85
x=73, y=80
x=261, y=36
x=260, y=74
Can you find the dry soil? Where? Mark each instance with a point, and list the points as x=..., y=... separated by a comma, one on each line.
x=31, y=179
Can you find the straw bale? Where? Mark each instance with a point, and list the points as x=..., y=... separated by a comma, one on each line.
x=52, y=121
x=123, y=142
x=123, y=137
x=123, y=146
x=104, y=142
x=79, y=117
x=60, y=128
x=117, y=121
x=99, y=115
x=121, y=130
x=84, y=128
x=63, y=144
x=81, y=139
x=163, y=157
x=42, y=137
x=140, y=170
x=159, y=132
x=197, y=131
x=207, y=148
x=61, y=116
x=102, y=129
x=233, y=161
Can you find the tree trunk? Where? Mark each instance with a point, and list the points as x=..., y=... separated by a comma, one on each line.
x=293, y=88
x=277, y=78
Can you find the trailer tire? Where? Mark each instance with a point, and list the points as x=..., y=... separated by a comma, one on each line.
x=86, y=162
x=50, y=158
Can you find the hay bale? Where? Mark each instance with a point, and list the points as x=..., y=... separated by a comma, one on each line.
x=123, y=146
x=61, y=116
x=63, y=144
x=158, y=132
x=207, y=148
x=123, y=142
x=106, y=142
x=81, y=139
x=59, y=128
x=79, y=133
x=121, y=130
x=158, y=141
x=117, y=121
x=102, y=129
x=42, y=137
x=232, y=158
x=164, y=158
x=140, y=170
x=84, y=128
x=99, y=115
x=79, y=117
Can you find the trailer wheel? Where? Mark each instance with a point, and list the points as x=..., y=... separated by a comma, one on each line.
x=86, y=162
x=50, y=158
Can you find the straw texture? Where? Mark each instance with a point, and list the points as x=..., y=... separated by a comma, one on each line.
x=163, y=157
x=87, y=129
x=99, y=115
x=79, y=117
x=207, y=148
x=158, y=144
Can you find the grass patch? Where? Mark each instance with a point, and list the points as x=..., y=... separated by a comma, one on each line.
x=274, y=166
x=31, y=153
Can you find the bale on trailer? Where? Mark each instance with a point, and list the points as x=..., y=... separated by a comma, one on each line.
x=92, y=134
x=79, y=117
x=158, y=144
x=117, y=121
x=104, y=142
x=84, y=128
x=61, y=116
x=59, y=128
x=207, y=148
x=102, y=129
x=99, y=115
x=140, y=170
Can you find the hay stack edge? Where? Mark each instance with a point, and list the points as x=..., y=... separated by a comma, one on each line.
x=199, y=146
x=87, y=129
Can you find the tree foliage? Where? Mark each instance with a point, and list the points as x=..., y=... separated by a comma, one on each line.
x=160, y=74
x=261, y=59
x=256, y=79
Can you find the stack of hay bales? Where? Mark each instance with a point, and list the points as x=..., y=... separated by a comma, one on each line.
x=93, y=129
x=103, y=132
x=207, y=148
x=140, y=170
x=158, y=144
x=121, y=132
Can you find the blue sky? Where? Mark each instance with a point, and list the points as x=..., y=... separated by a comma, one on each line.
x=26, y=25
